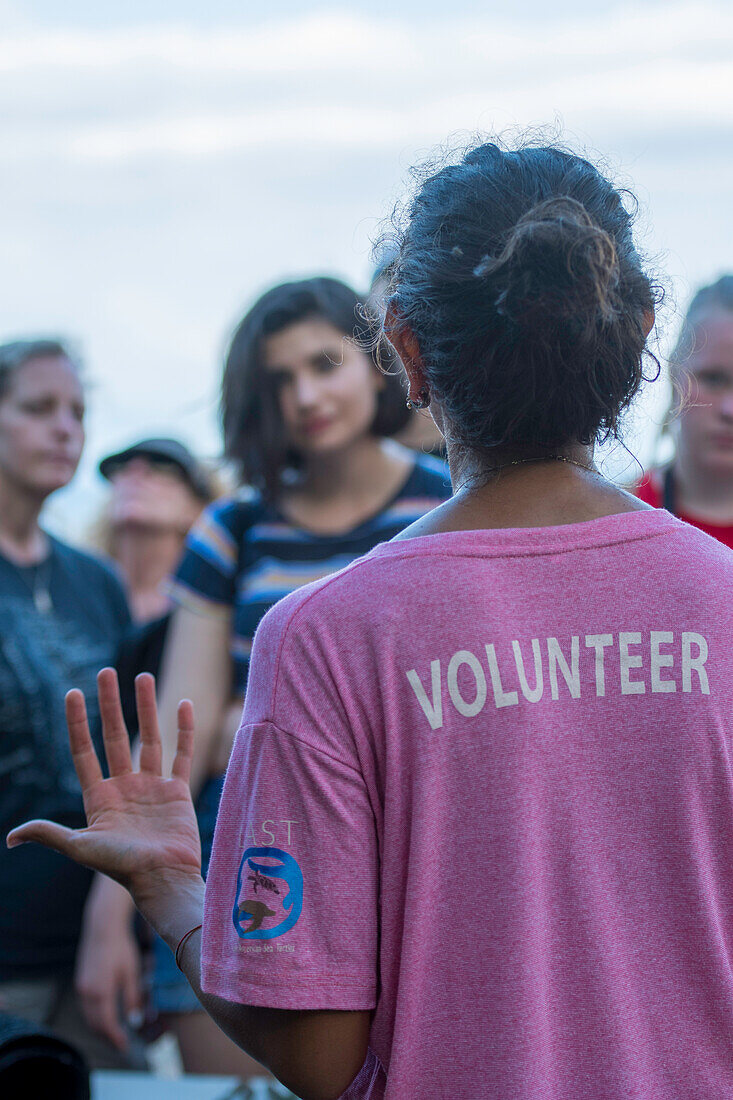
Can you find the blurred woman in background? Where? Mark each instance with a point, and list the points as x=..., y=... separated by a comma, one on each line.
x=307, y=415
x=62, y=615
x=158, y=490
x=697, y=485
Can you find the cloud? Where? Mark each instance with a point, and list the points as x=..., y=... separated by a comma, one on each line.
x=340, y=81
x=282, y=46
x=157, y=177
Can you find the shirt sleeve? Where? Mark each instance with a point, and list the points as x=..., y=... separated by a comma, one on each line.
x=290, y=918
x=205, y=580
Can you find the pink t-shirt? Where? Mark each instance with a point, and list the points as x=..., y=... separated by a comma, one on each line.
x=484, y=786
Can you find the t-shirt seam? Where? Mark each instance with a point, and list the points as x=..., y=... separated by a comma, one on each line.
x=509, y=554
x=366, y=985
x=326, y=582
x=302, y=741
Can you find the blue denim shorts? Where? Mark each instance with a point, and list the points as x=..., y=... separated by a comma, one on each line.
x=169, y=989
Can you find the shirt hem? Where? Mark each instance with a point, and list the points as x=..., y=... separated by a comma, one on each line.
x=324, y=993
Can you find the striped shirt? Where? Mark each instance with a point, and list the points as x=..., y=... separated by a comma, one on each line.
x=243, y=554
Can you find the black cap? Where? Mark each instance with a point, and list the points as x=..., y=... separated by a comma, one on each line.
x=170, y=449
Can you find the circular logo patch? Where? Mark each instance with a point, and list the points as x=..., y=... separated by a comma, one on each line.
x=269, y=894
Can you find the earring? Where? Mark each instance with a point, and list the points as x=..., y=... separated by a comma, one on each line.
x=421, y=401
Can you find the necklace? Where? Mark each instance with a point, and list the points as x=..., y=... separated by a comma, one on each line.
x=35, y=577
x=39, y=586
x=41, y=591
x=483, y=478
x=544, y=458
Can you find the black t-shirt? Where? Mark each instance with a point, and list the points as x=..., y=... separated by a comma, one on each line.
x=141, y=650
x=42, y=656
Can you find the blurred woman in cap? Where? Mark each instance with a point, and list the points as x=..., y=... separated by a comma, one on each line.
x=158, y=489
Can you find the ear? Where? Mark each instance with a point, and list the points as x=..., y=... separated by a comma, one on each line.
x=404, y=341
x=648, y=322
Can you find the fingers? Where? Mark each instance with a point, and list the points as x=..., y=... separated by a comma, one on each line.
x=106, y=1020
x=102, y=1015
x=151, y=752
x=108, y=967
x=132, y=998
x=102, y=1000
x=47, y=833
x=184, y=749
x=82, y=750
x=100, y=1012
x=114, y=731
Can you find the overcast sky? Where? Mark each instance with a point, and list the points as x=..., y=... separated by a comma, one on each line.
x=161, y=166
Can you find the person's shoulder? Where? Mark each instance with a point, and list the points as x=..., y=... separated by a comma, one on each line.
x=430, y=477
x=282, y=630
x=234, y=512
x=705, y=546
x=87, y=563
x=693, y=568
x=649, y=488
x=314, y=610
x=95, y=574
x=319, y=596
x=219, y=533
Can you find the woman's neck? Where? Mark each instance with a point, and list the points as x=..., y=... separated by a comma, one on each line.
x=146, y=556
x=523, y=491
x=351, y=472
x=701, y=493
x=340, y=491
x=21, y=539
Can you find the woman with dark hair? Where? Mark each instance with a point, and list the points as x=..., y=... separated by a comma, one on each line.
x=62, y=613
x=306, y=414
x=475, y=835
x=697, y=485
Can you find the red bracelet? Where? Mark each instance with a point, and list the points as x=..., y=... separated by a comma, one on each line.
x=182, y=944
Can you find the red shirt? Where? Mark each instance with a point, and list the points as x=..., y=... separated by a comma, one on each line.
x=650, y=491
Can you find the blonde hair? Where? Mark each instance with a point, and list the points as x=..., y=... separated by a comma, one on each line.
x=712, y=298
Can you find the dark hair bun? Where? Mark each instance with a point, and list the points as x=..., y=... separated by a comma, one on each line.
x=557, y=269
x=518, y=276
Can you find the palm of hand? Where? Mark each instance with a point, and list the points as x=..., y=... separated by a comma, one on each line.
x=139, y=824
x=140, y=827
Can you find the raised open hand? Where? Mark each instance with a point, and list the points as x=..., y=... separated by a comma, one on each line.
x=141, y=828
